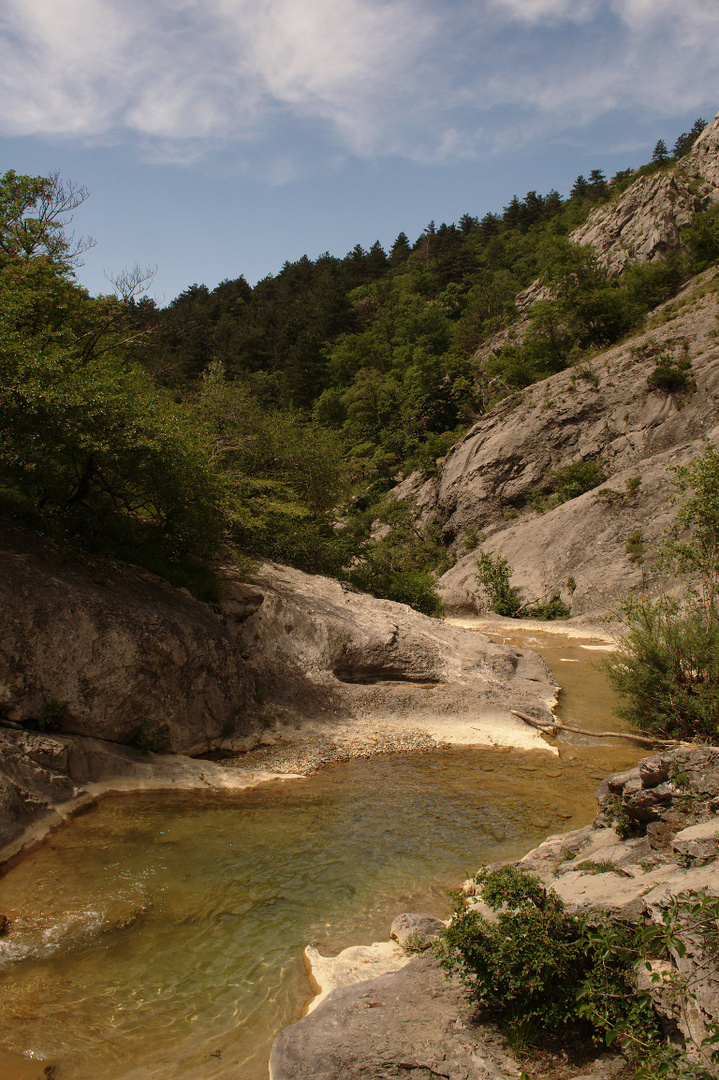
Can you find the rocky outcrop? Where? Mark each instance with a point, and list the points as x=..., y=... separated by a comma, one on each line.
x=100, y=655
x=606, y=413
x=416, y=1020
x=410, y=1024
x=128, y=655
x=45, y=779
x=323, y=651
x=645, y=223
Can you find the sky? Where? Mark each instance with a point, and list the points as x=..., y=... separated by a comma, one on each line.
x=220, y=138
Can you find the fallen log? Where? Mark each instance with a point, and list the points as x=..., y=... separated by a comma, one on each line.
x=556, y=725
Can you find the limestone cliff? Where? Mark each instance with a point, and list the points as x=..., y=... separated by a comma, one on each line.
x=604, y=411
x=646, y=221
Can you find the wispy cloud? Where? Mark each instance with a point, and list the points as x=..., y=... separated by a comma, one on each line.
x=408, y=77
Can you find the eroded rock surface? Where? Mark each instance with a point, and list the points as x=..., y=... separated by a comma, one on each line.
x=613, y=418
x=121, y=657
x=646, y=221
x=126, y=652
x=410, y=1024
x=323, y=651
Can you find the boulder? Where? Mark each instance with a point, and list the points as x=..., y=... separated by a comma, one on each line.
x=416, y=932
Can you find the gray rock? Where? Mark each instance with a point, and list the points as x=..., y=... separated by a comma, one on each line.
x=416, y=932
x=410, y=1024
x=123, y=649
x=698, y=844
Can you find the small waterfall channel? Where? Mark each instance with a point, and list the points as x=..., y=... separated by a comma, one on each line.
x=160, y=936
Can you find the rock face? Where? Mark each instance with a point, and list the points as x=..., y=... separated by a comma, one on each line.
x=415, y=1020
x=603, y=412
x=607, y=414
x=646, y=221
x=323, y=651
x=126, y=652
x=410, y=1024
x=49, y=777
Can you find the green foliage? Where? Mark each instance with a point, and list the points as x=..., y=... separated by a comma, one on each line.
x=51, y=715
x=279, y=476
x=526, y=968
x=574, y=479
x=147, y=739
x=667, y=665
x=551, y=609
x=90, y=448
x=615, y=814
x=401, y=566
x=672, y=376
x=587, y=310
x=568, y=483
x=687, y=139
x=538, y=970
x=702, y=235
x=494, y=575
x=34, y=214
x=634, y=547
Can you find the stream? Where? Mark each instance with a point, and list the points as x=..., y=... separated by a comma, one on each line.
x=160, y=936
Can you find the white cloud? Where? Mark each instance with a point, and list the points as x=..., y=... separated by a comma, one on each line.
x=535, y=11
x=408, y=77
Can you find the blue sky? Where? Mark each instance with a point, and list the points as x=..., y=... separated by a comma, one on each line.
x=223, y=137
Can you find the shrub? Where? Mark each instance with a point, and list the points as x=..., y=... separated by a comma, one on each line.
x=576, y=478
x=494, y=574
x=554, y=608
x=527, y=968
x=666, y=666
x=672, y=376
x=51, y=715
x=539, y=970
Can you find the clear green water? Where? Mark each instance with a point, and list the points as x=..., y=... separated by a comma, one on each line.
x=161, y=936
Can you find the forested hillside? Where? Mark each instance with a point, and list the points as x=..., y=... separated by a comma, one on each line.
x=277, y=418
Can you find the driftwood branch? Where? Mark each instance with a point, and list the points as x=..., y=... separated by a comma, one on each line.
x=556, y=725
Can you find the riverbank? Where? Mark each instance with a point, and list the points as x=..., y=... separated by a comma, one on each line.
x=506, y=793
x=414, y=1020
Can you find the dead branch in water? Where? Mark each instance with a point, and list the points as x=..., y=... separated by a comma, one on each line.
x=556, y=725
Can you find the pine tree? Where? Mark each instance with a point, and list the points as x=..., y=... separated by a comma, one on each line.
x=661, y=154
x=580, y=189
x=687, y=139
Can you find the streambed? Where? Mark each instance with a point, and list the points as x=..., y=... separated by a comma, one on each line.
x=160, y=936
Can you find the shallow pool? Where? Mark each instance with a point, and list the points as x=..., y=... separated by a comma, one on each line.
x=161, y=936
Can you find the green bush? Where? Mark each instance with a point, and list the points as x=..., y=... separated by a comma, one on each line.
x=52, y=715
x=539, y=970
x=574, y=479
x=666, y=666
x=554, y=608
x=494, y=574
x=672, y=376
